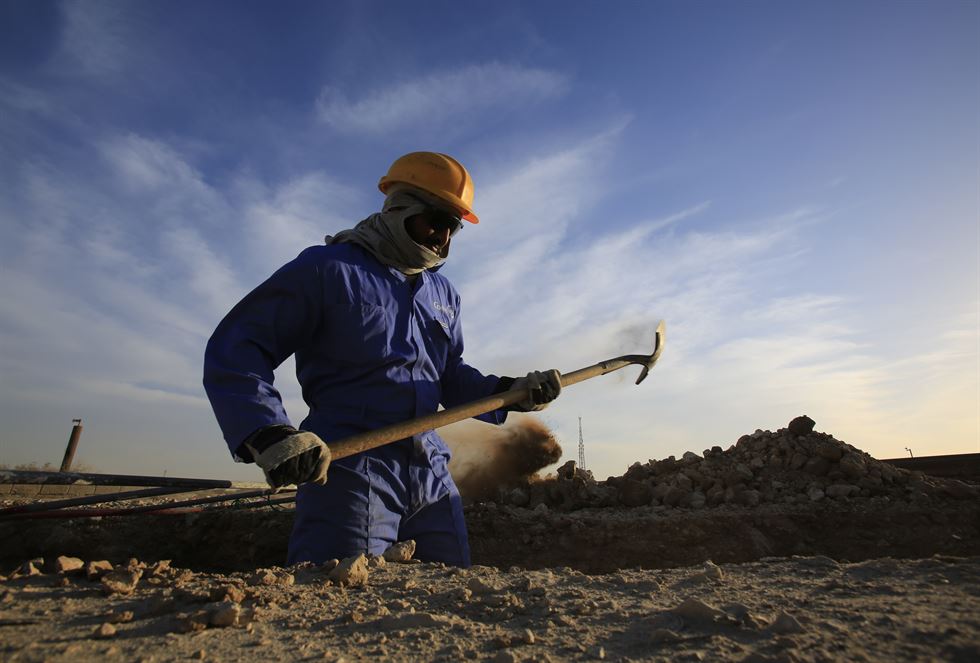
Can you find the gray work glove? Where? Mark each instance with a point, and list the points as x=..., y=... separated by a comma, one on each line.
x=288, y=456
x=542, y=388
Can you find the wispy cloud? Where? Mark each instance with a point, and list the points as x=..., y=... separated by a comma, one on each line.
x=96, y=38
x=433, y=98
x=116, y=274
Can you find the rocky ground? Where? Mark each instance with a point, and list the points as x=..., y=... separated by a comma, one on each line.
x=795, y=609
x=786, y=546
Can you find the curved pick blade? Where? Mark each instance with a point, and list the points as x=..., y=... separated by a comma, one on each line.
x=658, y=347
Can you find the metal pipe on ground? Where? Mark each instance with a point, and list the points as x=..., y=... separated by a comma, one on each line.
x=54, y=505
x=93, y=479
x=174, y=507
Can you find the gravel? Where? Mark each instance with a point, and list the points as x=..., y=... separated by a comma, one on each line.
x=790, y=609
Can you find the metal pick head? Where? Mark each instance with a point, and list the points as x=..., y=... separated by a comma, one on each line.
x=658, y=347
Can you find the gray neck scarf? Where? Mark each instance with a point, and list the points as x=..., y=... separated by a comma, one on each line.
x=386, y=237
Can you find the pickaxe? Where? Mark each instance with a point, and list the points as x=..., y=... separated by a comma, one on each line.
x=349, y=446
x=339, y=449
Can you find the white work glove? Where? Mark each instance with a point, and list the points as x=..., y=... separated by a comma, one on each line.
x=288, y=456
x=542, y=388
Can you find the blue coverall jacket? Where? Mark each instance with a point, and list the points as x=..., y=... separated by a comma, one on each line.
x=371, y=349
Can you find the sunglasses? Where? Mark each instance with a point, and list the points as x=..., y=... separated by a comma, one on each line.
x=440, y=220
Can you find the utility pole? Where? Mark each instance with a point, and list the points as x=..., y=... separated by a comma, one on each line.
x=581, y=446
x=76, y=432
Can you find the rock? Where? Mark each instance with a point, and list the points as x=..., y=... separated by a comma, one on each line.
x=30, y=568
x=567, y=471
x=742, y=472
x=798, y=460
x=409, y=620
x=852, y=466
x=225, y=614
x=197, y=621
x=134, y=563
x=635, y=493
x=841, y=490
x=352, y=571
x=659, y=491
x=748, y=497
x=227, y=593
x=675, y=496
x=262, y=577
x=694, y=610
x=160, y=569
x=829, y=451
x=104, y=632
x=527, y=637
x=120, y=617
x=815, y=494
x=67, y=565
x=785, y=624
x=95, y=570
x=817, y=466
x=270, y=577
x=377, y=562
x=400, y=552
x=741, y=614
x=690, y=456
x=684, y=483
x=712, y=571
x=519, y=497
x=802, y=425
x=121, y=582
x=663, y=635
x=481, y=586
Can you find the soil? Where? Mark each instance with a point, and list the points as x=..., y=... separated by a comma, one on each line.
x=795, y=609
x=787, y=546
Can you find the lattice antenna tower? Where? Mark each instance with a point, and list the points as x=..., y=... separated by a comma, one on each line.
x=581, y=445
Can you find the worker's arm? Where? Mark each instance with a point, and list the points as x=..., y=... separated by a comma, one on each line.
x=256, y=336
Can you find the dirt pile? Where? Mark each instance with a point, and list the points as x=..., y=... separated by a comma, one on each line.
x=793, y=465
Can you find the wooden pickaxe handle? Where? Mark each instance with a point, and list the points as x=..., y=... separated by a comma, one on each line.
x=387, y=434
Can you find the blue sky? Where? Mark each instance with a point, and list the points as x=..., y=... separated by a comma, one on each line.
x=793, y=187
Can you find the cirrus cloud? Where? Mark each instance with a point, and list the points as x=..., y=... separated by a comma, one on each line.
x=438, y=96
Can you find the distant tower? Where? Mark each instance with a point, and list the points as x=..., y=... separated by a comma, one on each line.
x=581, y=445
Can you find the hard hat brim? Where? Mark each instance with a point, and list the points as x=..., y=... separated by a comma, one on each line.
x=455, y=201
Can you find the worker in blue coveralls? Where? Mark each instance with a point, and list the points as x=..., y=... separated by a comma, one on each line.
x=377, y=336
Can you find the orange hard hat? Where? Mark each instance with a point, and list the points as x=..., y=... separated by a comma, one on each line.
x=436, y=173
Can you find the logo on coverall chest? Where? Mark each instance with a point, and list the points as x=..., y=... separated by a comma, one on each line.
x=447, y=311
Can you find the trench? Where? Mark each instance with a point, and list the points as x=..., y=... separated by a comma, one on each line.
x=588, y=540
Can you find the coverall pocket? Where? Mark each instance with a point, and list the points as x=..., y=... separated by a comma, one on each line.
x=356, y=333
x=439, y=340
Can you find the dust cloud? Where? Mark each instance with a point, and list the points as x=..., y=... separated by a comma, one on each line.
x=486, y=458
